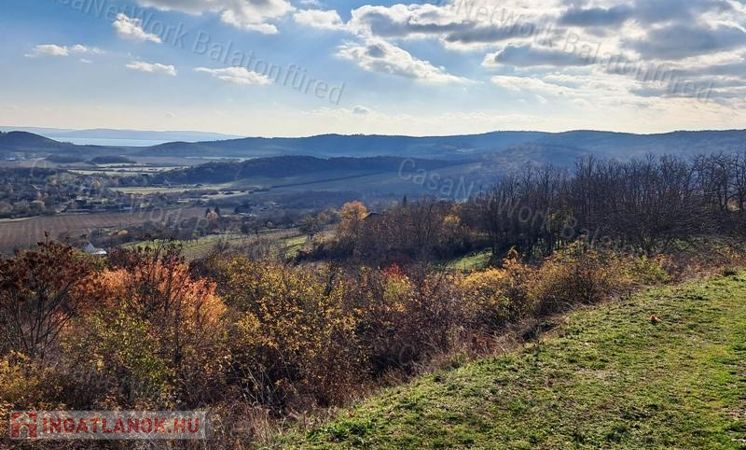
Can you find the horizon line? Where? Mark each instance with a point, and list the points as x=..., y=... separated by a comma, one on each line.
x=234, y=136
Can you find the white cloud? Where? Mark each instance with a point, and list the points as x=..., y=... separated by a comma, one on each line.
x=236, y=75
x=524, y=84
x=317, y=18
x=467, y=23
x=564, y=33
x=253, y=15
x=361, y=110
x=377, y=55
x=48, y=50
x=142, y=66
x=131, y=28
x=62, y=50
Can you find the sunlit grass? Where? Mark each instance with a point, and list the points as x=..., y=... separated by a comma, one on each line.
x=607, y=377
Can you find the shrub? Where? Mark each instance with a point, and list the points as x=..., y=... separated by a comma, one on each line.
x=113, y=352
x=293, y=338
x=577, y=276
x=39, y=295
x=155, y=336
x=406, y=318
x=648, y=271
x=24, y=383
x=487, y=300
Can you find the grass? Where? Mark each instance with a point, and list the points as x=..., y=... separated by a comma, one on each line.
x=196, y=248
x=471, y=262
x=604, y=378
x=288, y=240
x=293, y=244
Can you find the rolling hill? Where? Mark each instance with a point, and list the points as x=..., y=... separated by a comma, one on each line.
x=118, y=137
x=283, y=167
x=504, y=147
x=29, y=143
x=507, y=143
x=21, y=141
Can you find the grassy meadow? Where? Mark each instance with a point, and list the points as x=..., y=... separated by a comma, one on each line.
x=663, y=369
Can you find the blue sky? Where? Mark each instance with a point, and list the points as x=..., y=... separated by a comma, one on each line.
x=301, y=67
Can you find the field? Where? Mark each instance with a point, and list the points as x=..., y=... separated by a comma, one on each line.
x=153, y=190
x=449, y=182
x=471, y=262
x=22, y=233
x=453, y=181
x=288, y=240
x=607, y=377
x=141, y=163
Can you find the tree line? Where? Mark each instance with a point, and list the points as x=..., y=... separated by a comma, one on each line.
x=641, y=206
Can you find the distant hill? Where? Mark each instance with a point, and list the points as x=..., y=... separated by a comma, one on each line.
x=290, y=166
x=126, y=138
x=502, y=147
x=21, y=141
x=30, y=143
x=334, y=145
x=523, y=145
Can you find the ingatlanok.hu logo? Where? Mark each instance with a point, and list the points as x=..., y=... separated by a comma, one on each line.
x=108, y=425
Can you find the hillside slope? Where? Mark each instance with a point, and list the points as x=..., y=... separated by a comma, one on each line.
x=23, y=142
x=500, y=148
x=605, y=378
x=506, y=145
x=287, y=166
x=28, y=142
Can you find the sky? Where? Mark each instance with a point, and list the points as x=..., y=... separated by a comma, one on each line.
x=304, y=67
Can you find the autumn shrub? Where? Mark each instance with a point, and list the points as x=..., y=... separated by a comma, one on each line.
x=577, y=276
x=39, y=295
x=308, y=336
x=116, y=364
x=704, y=257
x=293, y=340
x=156, y=337
x=25, y=383
x=486, y=298
x=407, y=317
x=648, y=271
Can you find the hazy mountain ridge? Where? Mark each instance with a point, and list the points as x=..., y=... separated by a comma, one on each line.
x=331, y=145
x=603, y=144
x=21, y=141
x=100, y=134
x=524, y=146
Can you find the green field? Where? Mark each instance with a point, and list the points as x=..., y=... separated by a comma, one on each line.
x=290, y=241
x=604, y=378
x=471, y=262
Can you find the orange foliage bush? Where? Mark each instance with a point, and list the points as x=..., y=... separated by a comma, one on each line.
x=155, y=333
x=293, y=338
